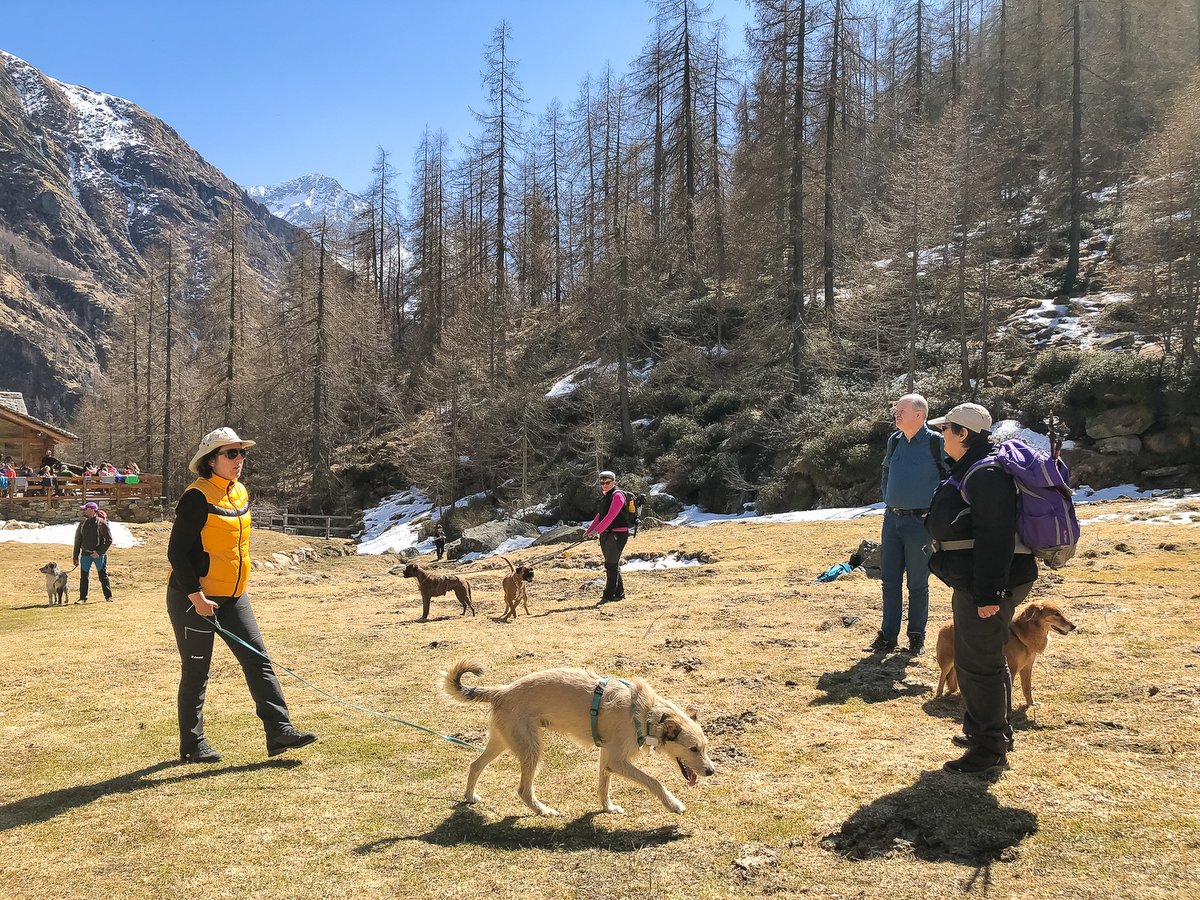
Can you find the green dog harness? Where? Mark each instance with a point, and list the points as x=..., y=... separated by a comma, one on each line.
x=597, y=695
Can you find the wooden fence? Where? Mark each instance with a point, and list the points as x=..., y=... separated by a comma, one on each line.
x=308, y=525
x=35, y=490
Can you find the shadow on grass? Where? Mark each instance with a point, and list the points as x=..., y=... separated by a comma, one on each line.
x=563, y=609
x=941, y=818
x=874, y=679
x=43, y=807
x=950, y=707
x=466, y=825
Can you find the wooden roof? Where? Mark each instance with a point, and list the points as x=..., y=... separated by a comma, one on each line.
x=12, y=409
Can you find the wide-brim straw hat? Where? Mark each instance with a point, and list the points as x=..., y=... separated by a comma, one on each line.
x=219, y=437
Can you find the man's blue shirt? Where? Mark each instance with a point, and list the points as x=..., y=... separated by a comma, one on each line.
x=910, y=476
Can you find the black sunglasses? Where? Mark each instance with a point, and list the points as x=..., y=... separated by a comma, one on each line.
x=234, y=452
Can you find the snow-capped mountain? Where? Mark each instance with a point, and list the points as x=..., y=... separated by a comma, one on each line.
x=304, y=200
x=89, y=183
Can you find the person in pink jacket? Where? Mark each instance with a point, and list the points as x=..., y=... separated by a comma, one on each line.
x=611, y=526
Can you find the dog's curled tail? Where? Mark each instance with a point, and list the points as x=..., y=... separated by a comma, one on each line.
x=453, y=686
x=510, y=565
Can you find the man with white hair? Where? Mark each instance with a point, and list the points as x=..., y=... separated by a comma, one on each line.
x=913, y=465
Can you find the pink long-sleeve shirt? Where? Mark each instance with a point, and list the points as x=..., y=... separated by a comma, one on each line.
x=598, y=524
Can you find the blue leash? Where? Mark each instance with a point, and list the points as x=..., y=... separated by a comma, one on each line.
x=226, y=634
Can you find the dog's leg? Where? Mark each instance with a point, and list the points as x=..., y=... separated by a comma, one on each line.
x=524, y=601
x=626, y=769
x=526, y=744
x=467, y=587
x=952, y=681
x=605, y=781
x=1027, y=684
x=941, y=683
x=426, y=597
x=495, y=746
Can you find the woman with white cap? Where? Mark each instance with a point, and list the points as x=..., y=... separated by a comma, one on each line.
x=209, y=552
x=973, y=522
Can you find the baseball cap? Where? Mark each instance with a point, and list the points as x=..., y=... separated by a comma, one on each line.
x=91, y=505
x=966, y=415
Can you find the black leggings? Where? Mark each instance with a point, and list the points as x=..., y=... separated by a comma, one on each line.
x=612, y=543
x=194, y=637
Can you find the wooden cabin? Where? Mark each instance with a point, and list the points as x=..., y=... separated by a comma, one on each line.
x=23, y=438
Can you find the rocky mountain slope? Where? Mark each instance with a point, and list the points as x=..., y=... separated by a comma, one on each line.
x=304, y=200
x=89, y=183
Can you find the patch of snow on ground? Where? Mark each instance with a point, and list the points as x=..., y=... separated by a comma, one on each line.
x=1007, y=429
x=512, y=545
x=17, y=533
x=695, y=517
x=1160, y=511
x=392, y=526
x=670, y=561
x=570, y=382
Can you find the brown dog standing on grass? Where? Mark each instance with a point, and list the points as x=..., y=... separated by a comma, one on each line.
x=561, y=700
x=514, y=589
x=432, y=585
x=1028, y=636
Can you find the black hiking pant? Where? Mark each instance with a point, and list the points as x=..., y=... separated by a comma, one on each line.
x=612, y=544
x=194, y=637
x=983, y=676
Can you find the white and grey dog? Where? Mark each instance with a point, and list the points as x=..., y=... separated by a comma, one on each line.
x=57, y=588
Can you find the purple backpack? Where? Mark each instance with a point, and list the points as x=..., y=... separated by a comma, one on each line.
x=1046, y=522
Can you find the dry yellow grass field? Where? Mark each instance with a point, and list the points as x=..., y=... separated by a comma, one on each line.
x=828, y=780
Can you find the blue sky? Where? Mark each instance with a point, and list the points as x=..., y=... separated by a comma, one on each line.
x=268, y=90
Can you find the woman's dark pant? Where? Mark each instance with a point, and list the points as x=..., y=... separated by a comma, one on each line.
x=194, y=637
x=612, y=543
x=983, y=676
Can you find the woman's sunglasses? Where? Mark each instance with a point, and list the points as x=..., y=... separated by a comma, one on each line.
x=234, y=452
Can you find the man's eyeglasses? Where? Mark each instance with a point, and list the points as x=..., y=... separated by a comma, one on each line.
x=234, y=452
x=606, y=481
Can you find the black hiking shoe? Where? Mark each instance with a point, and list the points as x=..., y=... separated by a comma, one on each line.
x=201, y=753
x=916, y=643
x=881, y=644
x=961, y=740
x=977, y=761
x=288, y=738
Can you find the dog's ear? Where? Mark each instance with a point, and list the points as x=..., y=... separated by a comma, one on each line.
x=671, y=727
x=692, y=713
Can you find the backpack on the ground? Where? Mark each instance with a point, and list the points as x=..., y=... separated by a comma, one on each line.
x=1046, y=521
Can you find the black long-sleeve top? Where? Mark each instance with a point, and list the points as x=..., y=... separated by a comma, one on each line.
x=185, y=551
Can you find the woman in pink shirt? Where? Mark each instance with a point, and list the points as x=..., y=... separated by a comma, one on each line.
x=611, y=526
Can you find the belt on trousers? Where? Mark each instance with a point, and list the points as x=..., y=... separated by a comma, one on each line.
x=907, y=512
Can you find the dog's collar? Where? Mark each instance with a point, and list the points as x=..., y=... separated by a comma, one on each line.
x=644, y=737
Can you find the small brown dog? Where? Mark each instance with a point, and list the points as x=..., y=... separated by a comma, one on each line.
x=514, y=589
x=1028, y=636
x=432, y=585
x=561, y=700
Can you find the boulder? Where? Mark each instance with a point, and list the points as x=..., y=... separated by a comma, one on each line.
x=1168, y=443
x=487, y=537
x=1132, y=418
x=563, y=534
x=1129, y=444
x=662, y=506
x=282, y=560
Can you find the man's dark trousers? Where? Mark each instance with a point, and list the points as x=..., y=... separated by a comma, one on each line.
x=983, y=676
x=194, y=637
x=612, y=544
x=904, y=549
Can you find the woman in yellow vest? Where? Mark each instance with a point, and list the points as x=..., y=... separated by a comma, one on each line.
x=209, y=553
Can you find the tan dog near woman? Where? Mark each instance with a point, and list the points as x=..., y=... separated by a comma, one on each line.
x=514, y=589
x=1028, y=636
x=561, y=700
